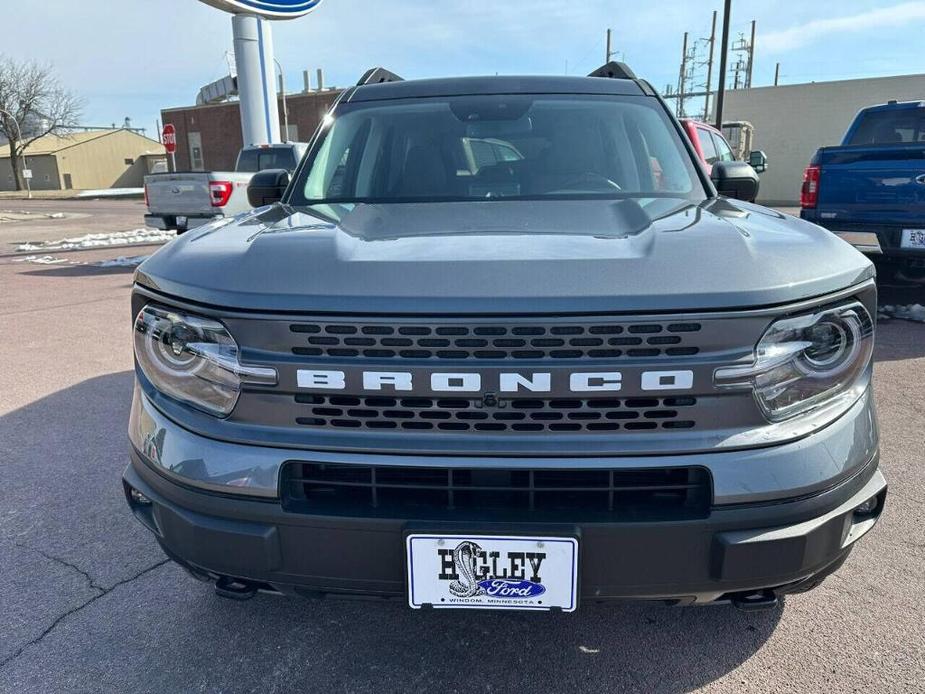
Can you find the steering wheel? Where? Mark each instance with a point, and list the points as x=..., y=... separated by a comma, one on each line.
x=588, y=178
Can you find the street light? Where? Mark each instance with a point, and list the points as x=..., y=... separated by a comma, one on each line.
x=19, y=139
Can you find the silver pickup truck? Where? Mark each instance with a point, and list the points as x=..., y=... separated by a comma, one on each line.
x=183, y=200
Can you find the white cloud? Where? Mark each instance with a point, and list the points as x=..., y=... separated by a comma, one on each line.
x=799, y=36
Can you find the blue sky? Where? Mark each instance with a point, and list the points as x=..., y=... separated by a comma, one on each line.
x=151, y=54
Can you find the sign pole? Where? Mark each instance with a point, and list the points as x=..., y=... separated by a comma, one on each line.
x=253, y=57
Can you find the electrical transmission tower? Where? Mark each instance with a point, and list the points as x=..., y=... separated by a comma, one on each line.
x=696, y=74
x=744, y=51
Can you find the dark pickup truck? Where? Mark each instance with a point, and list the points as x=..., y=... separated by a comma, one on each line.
x=870, y=190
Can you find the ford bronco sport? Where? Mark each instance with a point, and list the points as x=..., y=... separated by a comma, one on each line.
x=503, y=343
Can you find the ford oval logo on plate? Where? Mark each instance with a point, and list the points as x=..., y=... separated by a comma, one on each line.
x=506, y=588
x=271, y=9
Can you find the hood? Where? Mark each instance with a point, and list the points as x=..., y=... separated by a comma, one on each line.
x=589, y=256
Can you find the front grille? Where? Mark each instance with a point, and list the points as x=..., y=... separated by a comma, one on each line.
x=518, y=415
x=429, y=493
x=516, y=341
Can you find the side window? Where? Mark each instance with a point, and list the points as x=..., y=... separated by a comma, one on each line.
x=706, y=144
x=723, y=151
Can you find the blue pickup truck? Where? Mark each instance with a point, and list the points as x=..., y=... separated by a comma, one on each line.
x=870, y=190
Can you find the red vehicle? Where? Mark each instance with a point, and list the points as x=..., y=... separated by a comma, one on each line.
x=709, y=142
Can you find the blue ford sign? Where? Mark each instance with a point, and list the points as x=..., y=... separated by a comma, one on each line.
x=271, y=9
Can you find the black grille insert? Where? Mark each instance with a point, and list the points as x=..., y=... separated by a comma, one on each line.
x=430, y=493
x=521, y=415
x=480, y=342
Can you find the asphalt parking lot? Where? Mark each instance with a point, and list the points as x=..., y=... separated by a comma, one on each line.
x=88, y=602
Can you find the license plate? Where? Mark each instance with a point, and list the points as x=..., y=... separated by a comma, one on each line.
x=913, y=238
x=492, y=572
x=181, y=222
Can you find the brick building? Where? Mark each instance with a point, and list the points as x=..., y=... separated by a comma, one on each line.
x=209, y=136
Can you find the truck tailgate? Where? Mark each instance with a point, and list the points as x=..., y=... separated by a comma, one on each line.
x=874, y=184
x=179, y=193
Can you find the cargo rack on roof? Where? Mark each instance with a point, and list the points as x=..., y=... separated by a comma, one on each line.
x=614, y=70
x=378, y=75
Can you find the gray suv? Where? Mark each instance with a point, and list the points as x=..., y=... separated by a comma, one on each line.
x=502, y=343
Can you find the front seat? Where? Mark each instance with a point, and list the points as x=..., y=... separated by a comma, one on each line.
x=424, y=173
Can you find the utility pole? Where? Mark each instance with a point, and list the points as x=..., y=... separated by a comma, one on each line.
x=282, y=91
x=609, y=51
x=724, y=47
x=751, y=58
x=706, y=100
x=776, y=74
x=682, y=78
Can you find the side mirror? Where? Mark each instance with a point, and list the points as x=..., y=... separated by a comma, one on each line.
x=267, y=187
x=735, y=179
x=758, y=160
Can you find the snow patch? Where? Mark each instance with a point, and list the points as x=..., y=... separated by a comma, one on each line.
x=116, y=238
x=40, y=260
x=911, y=312
x=122, y=261
x=110, y=192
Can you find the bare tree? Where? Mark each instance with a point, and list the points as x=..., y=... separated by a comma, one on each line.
x=32, y=104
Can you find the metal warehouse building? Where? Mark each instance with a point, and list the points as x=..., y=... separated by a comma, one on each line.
x=116, y=158
x=792, y=122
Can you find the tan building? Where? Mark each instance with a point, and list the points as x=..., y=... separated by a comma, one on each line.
x=89, y=160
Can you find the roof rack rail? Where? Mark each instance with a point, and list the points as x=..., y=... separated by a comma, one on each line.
x=614, y=70
x=378, y=75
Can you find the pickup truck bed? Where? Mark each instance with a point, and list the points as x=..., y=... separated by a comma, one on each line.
x=871, y=189
x=185, y=200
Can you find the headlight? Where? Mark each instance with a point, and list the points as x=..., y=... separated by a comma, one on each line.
x=805, y=361
x=193, y=359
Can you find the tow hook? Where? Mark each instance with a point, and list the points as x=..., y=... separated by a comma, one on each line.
x=755, y=601
x=234, y=589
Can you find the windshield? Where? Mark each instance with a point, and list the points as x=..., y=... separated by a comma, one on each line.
x=498, y=147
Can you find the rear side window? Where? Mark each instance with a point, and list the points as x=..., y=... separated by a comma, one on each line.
x=902, y=126
x=706, y=144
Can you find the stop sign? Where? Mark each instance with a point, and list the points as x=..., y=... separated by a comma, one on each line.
x=169, y=138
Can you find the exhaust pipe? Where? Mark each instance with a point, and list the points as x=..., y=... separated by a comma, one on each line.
x=755, y=601
x=234, y=588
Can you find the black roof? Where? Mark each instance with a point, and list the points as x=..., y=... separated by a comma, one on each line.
x=462, y=86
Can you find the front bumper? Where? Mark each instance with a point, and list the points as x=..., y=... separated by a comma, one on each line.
x=881, y=240
x=735, y=551
x=780, y=516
